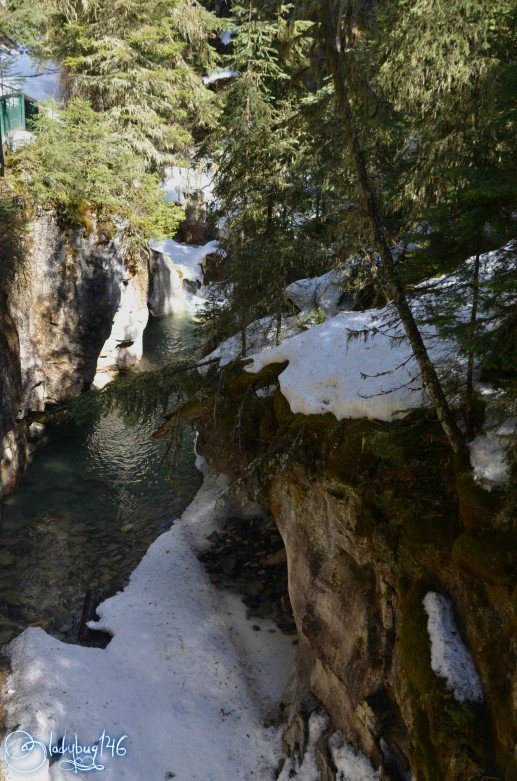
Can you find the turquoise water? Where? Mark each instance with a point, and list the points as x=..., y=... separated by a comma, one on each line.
x=89, y=506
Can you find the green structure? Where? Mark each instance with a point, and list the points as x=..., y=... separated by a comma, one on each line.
x=15, y=112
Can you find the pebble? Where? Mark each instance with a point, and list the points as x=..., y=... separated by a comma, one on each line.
x=12, y=598
x=6, y=558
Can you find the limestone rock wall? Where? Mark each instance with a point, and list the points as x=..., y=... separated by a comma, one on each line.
x=358, y=610
x=77, y=309
x=346, y=611
x=12, y=440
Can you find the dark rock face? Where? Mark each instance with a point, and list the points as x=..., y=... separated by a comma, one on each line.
x=10, y=373
x=64, y=305
x=12, y=439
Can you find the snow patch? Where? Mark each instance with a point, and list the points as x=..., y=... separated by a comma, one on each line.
x=259, y=335
x=185, y=675
x=181, y=183
x=351, y=765
x=219, y=75
x=449, y=657
x=489, y=457
x=18, y=138
x=177, y=277
x=226, y=37
x=186, y=257
x=324, y=292
x=306, y=769
x=331, y=369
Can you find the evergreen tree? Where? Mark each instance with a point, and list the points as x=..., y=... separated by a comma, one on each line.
x=450, y=77
x=141, y=64
x=262, y=180
x=337, y=31
x=20, y=22
x=77, y=165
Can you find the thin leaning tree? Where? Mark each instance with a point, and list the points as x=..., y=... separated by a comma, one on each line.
x=335, y=36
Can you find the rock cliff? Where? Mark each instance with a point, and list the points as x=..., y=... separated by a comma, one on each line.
x=380, y=530
x=76, y=311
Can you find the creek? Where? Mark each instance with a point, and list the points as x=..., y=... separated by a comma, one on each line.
x=90, y=504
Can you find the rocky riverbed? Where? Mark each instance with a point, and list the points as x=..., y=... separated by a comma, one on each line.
x=248, y=557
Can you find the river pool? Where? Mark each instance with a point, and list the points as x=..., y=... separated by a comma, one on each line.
x=89, y=505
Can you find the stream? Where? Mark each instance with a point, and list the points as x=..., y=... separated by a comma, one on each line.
x=89, y=505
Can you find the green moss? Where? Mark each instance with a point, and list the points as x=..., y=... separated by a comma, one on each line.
x=487, y=554
x=336, y=447
x=268, y=427
x=416, y=663
x=428, y=528
x=237, y=381
x=350, y=453
x=281, y=407
x=414, y=641
x=76, y=215
x=493, y=627
x=413, y=483
x=446, y=733
x=477, y=507
x=424, y=761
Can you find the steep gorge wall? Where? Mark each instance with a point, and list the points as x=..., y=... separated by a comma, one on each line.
x=12, y=437
x=357, y=592
x=374, y=517
x=76, y=310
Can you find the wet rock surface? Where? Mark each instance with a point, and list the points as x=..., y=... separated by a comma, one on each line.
x=247, y=556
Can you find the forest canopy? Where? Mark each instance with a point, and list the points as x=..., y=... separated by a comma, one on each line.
x=381, y=132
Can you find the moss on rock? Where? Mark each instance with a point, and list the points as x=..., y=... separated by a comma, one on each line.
x=477, y=507
x=450, y=739
x=487, y=554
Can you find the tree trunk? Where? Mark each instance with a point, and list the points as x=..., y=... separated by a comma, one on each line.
x=369, y=203
x=244, y=345
x=469, y=391
x=278, y=319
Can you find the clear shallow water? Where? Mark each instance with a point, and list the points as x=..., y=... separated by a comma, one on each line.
x=89, y=506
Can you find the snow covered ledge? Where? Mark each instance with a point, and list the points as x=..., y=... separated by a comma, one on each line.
x=360, y=365
x=333, y=369
x=185, y=677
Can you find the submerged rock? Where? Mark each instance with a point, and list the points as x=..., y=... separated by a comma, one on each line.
x=235, y=560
